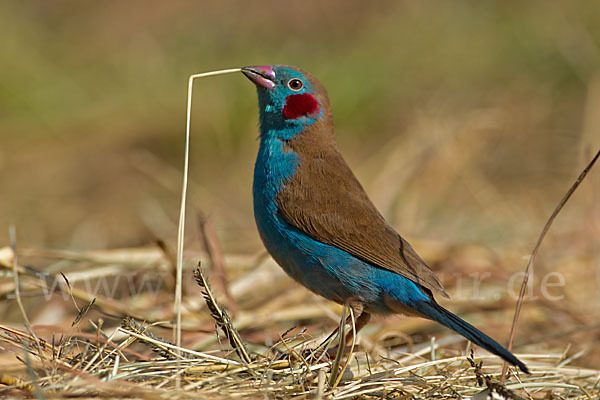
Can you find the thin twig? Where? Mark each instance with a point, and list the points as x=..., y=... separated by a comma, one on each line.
x=535, y=251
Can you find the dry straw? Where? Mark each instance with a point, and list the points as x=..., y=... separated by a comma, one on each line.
x=130, y=359
x=181, y=226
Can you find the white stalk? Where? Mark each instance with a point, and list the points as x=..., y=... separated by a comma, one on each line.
x=181, y=227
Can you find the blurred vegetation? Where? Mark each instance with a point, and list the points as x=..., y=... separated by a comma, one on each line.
x=466, y=121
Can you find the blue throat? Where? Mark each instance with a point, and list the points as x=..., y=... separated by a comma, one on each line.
x=275, y=163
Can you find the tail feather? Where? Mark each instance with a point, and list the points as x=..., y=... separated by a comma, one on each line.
x=434, y=311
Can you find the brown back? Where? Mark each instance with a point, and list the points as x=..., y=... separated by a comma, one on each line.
x=325, y=200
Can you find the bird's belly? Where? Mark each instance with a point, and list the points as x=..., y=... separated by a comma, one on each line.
x=311, y=263
x=329, y=271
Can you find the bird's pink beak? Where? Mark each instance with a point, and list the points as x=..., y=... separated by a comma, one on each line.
x=261, y=75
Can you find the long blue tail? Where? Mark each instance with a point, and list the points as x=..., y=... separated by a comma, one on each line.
x=434, y=311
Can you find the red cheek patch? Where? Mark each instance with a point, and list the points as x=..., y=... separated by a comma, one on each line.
x=299, y=105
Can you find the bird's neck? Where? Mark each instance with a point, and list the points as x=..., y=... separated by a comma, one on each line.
x=275, y=165
x=282, y=151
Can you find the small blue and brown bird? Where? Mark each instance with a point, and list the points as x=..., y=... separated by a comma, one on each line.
x=318, y=223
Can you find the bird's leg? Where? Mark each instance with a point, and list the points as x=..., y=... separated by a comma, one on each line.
x=361, y=319
x=360, y=322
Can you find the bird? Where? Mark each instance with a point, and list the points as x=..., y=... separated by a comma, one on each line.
x=317, y=222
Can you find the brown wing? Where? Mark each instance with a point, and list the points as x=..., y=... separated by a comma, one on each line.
x=325, y=200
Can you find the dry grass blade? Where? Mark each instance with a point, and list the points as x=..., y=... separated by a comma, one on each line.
x=13, y=244
x=83, y=312
x=535, y=251
x=130, y=324
x=335, y=368
x=220, y=316
x=184, y=187
x=9, y=380
x=343, y=344
x=491, y=385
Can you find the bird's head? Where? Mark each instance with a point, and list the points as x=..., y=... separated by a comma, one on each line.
x=289, y=99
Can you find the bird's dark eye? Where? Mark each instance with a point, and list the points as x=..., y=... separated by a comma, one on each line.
x=295, y=84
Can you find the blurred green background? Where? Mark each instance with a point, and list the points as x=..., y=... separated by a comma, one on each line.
x=466, y=121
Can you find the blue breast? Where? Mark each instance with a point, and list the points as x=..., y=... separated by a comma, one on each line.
x=324, y=269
